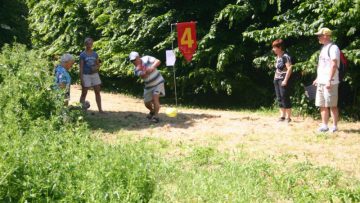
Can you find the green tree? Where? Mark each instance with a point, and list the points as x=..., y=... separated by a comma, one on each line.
x=59, y=26
x=13, y=24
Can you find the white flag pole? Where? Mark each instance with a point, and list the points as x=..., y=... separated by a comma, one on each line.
x=172, y=48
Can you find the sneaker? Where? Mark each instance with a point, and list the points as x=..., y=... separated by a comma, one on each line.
x=333, y=129
x=323, y=129
x=155, y=119
x=150, y=115
x=288, y=120
x=281, y=119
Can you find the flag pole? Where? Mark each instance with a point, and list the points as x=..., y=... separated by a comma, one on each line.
x=172, y=48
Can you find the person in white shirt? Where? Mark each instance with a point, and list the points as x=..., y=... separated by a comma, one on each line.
x=146, y=68
x=327, y=80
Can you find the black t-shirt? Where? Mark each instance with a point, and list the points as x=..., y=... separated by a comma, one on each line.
x=280, y=66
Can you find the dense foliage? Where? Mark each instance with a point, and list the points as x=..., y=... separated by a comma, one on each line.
x=45, y=149
x=233, y=38
x=13, y=22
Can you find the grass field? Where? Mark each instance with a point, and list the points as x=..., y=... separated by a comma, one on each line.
x=201, y=173
x=236, y=156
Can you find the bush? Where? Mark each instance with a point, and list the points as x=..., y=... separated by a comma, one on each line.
x=26, y=93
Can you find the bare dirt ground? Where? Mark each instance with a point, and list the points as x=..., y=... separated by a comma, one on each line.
x=256, y=133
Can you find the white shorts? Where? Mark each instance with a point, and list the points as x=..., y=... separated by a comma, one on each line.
x=91, y=80
x=157, y=90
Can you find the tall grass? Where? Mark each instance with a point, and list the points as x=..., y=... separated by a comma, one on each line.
x=67, y=166
x=207, y=175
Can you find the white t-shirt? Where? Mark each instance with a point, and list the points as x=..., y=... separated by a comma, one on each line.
x=155, y=78
x=323, y=69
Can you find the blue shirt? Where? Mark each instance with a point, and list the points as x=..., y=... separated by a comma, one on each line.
x=62, y=76
x=89, y=61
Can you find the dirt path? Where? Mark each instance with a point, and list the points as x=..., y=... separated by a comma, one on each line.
x=256, y=133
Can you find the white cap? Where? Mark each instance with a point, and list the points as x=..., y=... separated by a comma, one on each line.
x=133, y=55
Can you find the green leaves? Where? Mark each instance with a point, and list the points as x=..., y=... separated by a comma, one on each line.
x=234, y=13
x=27, y=92
x=59, y=26
x=13, y=25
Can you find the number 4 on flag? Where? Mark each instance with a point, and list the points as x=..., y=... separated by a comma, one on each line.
x=187, y=39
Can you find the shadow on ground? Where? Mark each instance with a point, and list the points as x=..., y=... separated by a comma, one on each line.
x=354, y=131
x=128, y=120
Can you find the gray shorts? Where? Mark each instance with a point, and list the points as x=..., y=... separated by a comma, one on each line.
x=157, y=90
x=326, y=97
x=91, y=80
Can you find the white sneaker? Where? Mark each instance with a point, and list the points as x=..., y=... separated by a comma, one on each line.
x=333, y=129
x=323, y=128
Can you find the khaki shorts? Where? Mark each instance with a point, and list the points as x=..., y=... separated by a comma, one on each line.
x=157, y=90
x=91, y=80
x=326, y=97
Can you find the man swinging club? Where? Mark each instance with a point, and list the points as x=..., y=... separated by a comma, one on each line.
x=146, y=68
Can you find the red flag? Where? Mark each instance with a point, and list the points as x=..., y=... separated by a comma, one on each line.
x=187, y=39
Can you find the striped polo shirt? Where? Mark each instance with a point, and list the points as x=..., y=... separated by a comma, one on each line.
x=155, y=78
